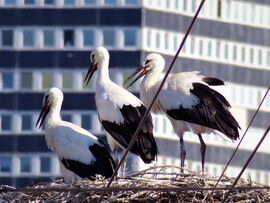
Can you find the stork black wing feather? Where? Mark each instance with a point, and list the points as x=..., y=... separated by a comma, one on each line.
x=213, y=81
x=145, y=145
x=103, y=165
x=212, y=111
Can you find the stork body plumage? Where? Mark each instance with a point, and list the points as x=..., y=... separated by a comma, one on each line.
x=188, y=101
x=120, y=112
x=81, y=154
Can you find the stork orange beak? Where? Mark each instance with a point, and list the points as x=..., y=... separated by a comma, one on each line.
x=43, y=113
x=142, y=70
x=92, y=69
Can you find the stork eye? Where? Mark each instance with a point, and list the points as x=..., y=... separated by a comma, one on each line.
x=92, y=57
x=147, y=61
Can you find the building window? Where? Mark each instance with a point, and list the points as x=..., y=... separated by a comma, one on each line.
x=110, y=2
x=226, y=51
x=235, y=53
x=109, y=38
x=260, y=57
x=168, y=3
x=218, y=50
x=157, y=40
x=86, y=122
x=45, y=164
x=201, y=47
x=88, y=38
x=29, y=2
x=7, y=38
x=131, y=2
x=185, y=5
x=156, y=124
x=47, y=80
x=176, y=4
x=192, y=45
x=69, y=38
x=48, y=38
x=175, y=43
x=244, y=12
x=166, y=42
x=6, y=122
x=251, y=56
x=215, y=171
x=252, y=13
x=26, y=80
x=28, y=38
x=184, y=49
x=26, y=122
x=243, y=54
x=193, y=6
x=266, y=179
x=89, y=2
x=261, y=14
x=67, y=80
x=209, y=48
x=258, y=176
x=236, y=11
x=49, y=2
x=69, y=2
x=219, y=8
x=5, y=164
x=130, y=38
x=10, y=2
x=25, y=163
x=164, y=125
x=7, y=80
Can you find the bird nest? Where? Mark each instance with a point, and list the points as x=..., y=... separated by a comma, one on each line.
x=151, y=185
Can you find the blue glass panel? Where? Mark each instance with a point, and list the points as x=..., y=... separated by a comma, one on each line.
x=6, y=122
x=5, y=164
x=45, y=164
x=130, y=38
x=8, y=80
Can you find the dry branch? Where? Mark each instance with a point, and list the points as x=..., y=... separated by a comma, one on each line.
x=151, y=185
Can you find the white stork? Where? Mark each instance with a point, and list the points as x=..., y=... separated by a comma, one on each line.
x=119, y=111
x=81, y=154
x=188, y=102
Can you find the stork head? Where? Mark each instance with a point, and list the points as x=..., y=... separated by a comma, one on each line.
x=53, y=98
x=97, y=56
x=153, y=63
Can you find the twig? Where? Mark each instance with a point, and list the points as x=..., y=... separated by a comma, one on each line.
x=246, y=164
x=241, y=138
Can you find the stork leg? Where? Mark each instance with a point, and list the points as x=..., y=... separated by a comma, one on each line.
x=115, y=153
x=203, y=150
x=182, y=152
x=123, y=167
x=116, y=158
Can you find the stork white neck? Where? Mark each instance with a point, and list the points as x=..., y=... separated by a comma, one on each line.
x=54, y=114
x=151, y=78
x=103, y=72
